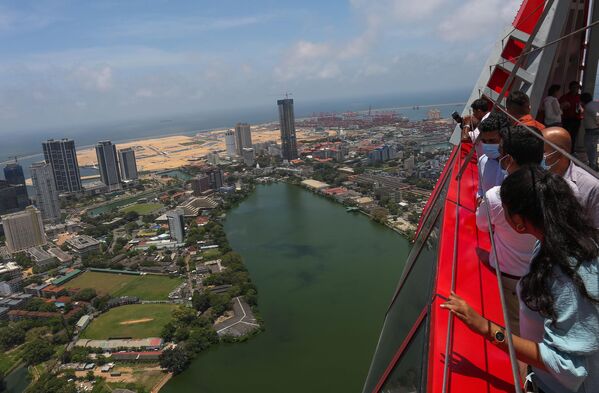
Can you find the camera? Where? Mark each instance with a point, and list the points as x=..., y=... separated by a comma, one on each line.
x=458, y=119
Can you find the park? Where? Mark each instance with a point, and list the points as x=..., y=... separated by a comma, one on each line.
x=145, y=287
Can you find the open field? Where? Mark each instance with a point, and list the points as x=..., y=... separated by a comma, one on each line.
x=148, y=287
x=171, y=152
x=113, y=323
x=142, y=208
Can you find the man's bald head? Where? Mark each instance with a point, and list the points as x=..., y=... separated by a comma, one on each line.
x=558, y=136
x=556, y=162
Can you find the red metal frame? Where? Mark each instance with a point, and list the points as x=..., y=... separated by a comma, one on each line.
x=435, y=193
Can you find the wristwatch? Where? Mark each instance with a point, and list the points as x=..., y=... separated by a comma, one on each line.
x=498, y=337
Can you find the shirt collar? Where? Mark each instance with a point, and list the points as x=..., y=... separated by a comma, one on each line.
x=569, y=174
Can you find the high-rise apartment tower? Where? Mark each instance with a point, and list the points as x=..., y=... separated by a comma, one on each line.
x=61, y=155
x=243, y=137
x=45, y=193
x=128, y=164
x=107, y=163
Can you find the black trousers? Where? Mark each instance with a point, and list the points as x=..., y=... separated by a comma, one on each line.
x=572, y=126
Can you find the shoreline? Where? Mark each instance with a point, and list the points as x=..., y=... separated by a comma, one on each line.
x=27, y=156
x=399, y=232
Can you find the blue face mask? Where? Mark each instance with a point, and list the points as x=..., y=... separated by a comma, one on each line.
x=491, y=150
x=544, y=164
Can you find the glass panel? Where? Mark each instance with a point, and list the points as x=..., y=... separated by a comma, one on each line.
x=414, y=289
x=407, y=374
x=413, y=296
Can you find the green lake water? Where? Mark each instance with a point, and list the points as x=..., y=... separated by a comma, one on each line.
x=325, y=278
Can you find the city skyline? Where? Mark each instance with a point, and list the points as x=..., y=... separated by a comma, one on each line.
x=133, y=61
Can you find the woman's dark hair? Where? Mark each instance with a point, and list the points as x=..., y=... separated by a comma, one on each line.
x=553, y=89
x=546, y=200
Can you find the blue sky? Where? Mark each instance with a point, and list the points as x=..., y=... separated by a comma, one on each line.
x=67, y=62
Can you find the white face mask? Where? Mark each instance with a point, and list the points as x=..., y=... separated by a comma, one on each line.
x=505, y=171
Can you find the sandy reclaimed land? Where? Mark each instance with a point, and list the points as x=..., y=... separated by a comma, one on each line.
x=171, y=152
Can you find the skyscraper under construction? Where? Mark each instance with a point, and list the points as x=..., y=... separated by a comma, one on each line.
x=287, y=120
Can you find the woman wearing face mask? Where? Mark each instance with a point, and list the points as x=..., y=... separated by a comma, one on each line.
x=514, y=249
x=560, y=294
x=490, y=174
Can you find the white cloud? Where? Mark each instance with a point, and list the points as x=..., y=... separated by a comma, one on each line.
x=476, y=18
x=171, y=27
x=96, y=78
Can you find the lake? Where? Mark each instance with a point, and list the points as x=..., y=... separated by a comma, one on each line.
x=325, y=278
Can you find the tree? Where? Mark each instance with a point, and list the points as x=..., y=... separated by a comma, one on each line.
x=11, y=336
x=86, y=294
x=380, y=214
x=37, y=351
x=130, y=226
x=201, y=339
x=174, y=360
x=131, y=215
x=200, y=301
x=23, y=260
x=50, y=383
x=168, y=331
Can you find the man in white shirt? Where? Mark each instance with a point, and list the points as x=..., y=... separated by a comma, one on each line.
x=591, y=127
x=586, y=185
x=481, y=109
x=490, y=173
x=514, y=250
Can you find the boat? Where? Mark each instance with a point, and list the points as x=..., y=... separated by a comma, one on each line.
x=422, y=348
x=351, y=209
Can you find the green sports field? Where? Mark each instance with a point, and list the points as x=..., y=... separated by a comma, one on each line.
x=134, y=320
x=147, y=287
x=142, y=208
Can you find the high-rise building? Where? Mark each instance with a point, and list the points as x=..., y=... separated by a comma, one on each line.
x=249, y=158
x=213, y=158
x=45, y=193
x=200, y=184
x=287, y=120
x=62, y=156
x=12, y=197
x=107, y=163
x=243, y=137
x=128, y=164
x=23, y=229
x=216, y=177
x=176, y=224
x=13, y=173
x=230, y=143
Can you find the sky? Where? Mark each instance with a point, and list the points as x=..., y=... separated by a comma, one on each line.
x=67, y=62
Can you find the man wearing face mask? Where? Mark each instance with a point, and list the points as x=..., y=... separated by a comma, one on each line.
x=490, y=173
x=586, y=186
x=514, y=249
